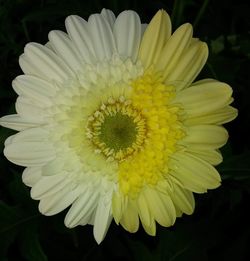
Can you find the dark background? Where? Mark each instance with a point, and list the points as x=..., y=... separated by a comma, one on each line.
x=219, y=229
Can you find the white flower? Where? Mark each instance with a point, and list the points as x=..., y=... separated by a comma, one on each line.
x=111, y=124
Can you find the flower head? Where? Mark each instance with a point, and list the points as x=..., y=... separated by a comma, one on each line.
x=111, y=124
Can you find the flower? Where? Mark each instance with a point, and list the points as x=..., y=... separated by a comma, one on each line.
x=111, y=125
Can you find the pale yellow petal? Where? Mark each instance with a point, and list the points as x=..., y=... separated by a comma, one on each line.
x=161, y=207
x=188, y=66
x=143, y=210
x=193, y=173
x=205, y=137
x=157, y=33
x=183, y=198
x=118, y=206
x=204, y=98
x=214, y=157
x=130, y=219
x=173, y=49
x=217, y=117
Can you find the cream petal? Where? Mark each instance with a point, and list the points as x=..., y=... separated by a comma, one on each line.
x=65, y=48
x=34, y=134
x=127, y=34
x=183, y=198
x=31, y=176
x=174, y=48
x=16, y=122
x=34, y=87
x=82, y=208
x=77, y=29
x=30, y=110
x=130, y=219
x=157, y=33
x=205, y=137
x=45, y=63
x=102, y=37
x=53, y=167
x=218, y=117
x=188, y=66
x=58, y=201
x=109, y=16
x=193, y=173
x=29, y=153
x=103, y=217
x=204, y=98
x=48, y=186
x=161, y=207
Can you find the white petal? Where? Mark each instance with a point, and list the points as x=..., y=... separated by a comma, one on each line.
x=193, y=173
x=34, y=134
x=16, y=122
x=47, y=186
x=205, y=137
x=78, y=31
x=65, y=48
x=103, y=217
x=127, y=33
x=109, y=16
x=53, y=167
x=82, y=208
x=30, y=110
x=34, y=88
x=102, y=37
x=29, y=148
x=44, y=63
x=31, y=176
x=57, y=202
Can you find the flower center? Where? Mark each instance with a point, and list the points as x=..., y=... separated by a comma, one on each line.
x=117, y=130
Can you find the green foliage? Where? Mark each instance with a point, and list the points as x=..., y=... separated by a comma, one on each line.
x=219, y=228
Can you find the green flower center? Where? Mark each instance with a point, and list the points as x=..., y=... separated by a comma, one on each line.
x=118, y=132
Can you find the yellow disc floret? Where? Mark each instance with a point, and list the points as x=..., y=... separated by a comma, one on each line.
x=150, y=96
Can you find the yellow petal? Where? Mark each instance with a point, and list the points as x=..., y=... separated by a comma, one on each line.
x=130, y=219
x=188, y=66
x=174, y=48
x=161, y=207
x=205, y=137
x=204, y=98
x=183, y=198
x=218, y=117
x=157, y=33
x=143, y=210
x=193, y=173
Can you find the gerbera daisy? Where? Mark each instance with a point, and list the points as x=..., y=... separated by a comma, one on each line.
x=111, y=124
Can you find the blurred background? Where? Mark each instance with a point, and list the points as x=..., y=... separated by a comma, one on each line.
x=219, y=228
